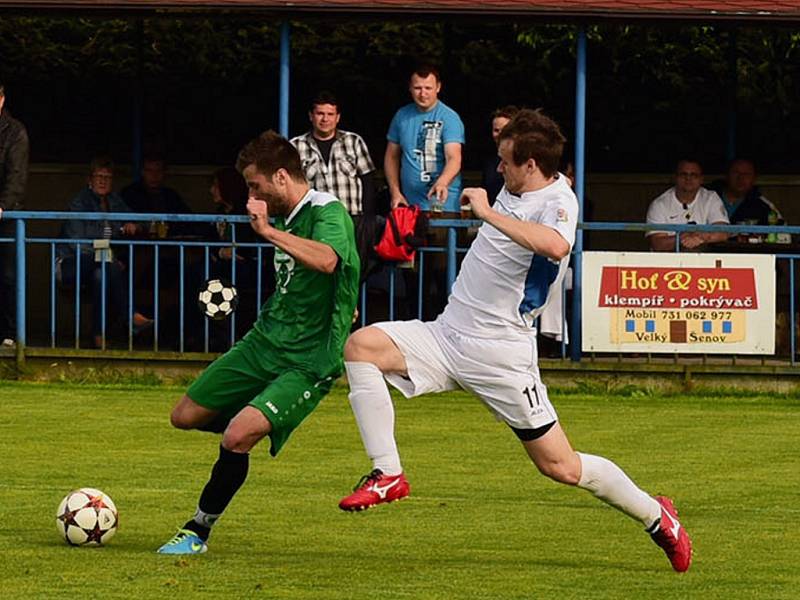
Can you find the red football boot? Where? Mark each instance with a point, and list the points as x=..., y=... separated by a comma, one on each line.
x=376, y=488
x=672, y=537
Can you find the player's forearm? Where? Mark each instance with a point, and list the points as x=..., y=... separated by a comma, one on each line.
x=314, y=255
x=541, y=239
x=452, y=167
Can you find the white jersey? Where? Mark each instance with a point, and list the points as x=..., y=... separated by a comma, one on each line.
x=502, y=287
x=705, y=209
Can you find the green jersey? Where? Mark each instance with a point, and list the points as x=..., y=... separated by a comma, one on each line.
x=308, y=318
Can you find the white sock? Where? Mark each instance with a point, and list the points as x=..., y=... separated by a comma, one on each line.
x=374, y=412
x=608, y=482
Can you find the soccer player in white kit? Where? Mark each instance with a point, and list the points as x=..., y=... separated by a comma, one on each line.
x=485, y=341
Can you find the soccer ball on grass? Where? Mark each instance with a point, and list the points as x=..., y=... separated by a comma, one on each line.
x=217, y=299
x=87, y=517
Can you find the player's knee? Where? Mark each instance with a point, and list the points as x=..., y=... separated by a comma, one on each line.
x=183, y=416
x=357, y=346
x=179, y=419
x=560, y=471
x=245, y=430
x=239, y=439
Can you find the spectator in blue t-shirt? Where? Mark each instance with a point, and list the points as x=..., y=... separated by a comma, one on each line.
x=423, y=154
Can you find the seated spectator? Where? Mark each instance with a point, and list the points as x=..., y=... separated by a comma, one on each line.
x=150, y=195
x=491, y=180
x=99, y=197
x=686, y=203
x=741, y=197
x=229, y=193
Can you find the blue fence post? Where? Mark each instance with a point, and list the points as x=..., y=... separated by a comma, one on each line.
x=451, y=258
x=580, y=141
x=19, y=241
x=283, y=87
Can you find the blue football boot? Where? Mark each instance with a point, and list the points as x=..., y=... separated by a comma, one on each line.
x=184, y=542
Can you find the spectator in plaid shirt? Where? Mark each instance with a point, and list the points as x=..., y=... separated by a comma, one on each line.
x=337, y=161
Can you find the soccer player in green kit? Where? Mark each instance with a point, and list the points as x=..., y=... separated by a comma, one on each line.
x=277, y=374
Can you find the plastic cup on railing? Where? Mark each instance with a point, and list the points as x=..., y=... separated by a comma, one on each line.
x=162, y=229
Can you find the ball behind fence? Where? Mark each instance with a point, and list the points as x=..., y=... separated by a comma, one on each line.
x=217, y=299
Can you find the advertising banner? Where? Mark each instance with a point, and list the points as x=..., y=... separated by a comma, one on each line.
x=685, y=302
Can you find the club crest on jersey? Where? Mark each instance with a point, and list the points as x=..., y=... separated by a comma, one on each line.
x=562, y=216
x=284, y=269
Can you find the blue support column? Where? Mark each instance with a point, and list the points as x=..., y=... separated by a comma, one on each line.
x=20, y=283
x=138, y=102
x=733, y=105
x=283, y=88
x=580, y=152
x=451, y=258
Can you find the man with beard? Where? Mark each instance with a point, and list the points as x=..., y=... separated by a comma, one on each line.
x=277, y=374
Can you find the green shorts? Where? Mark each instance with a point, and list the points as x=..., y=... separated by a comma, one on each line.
x=249, y=374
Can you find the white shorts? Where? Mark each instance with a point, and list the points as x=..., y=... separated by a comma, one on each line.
x=502, y=373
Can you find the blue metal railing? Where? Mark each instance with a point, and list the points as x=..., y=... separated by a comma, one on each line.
x=159, y=247
x=185, y=247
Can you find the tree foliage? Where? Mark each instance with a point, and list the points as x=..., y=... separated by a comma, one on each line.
x=204, y=82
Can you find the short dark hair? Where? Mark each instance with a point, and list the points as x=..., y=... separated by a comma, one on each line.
x=154, y=158
x=424, y=70
x=101, y=161
x=742, y=159
x=270, y=152
x=508, y=112
x=689, y=159
x=324, y=97
x=536, y=136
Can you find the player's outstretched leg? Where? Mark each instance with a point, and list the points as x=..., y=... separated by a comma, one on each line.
x=554, y=457
x=610, y=484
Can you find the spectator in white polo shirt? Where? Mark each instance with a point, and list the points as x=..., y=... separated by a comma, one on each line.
x=686, y=203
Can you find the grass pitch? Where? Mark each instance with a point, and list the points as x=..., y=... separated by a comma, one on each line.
x=480, y=523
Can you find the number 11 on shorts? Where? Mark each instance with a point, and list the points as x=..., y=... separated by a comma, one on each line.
x=531, y=397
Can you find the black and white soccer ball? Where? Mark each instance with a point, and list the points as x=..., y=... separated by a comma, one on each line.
x=217, y=299
x=87, y=517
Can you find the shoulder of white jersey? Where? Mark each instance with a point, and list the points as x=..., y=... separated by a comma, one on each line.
x=560, y=192
x=322, y=198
